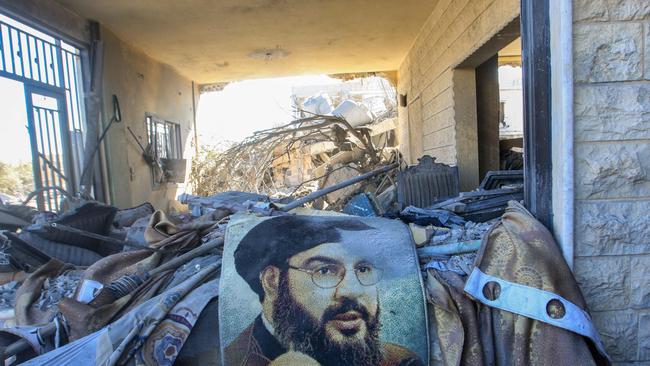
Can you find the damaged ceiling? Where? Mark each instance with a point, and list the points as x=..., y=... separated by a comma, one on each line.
x=214, y=41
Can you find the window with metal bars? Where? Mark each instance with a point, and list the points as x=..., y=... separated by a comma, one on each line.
x=165, y=146
x=164, y=138
x=49, y=69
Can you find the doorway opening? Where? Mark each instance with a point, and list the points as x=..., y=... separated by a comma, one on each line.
x=499, y=111
x=42, y=115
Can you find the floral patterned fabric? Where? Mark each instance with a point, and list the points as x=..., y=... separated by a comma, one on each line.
x=151, y=334
x=521, y=250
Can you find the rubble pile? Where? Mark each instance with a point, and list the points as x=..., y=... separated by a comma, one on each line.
x=469, y=231
x=56, y=288
x=73, y=273
x=305, y=155
x=8, y=295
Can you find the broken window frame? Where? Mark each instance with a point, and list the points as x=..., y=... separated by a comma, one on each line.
x=165, y=144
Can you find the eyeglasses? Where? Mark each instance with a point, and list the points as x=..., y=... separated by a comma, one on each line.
x=331, y=275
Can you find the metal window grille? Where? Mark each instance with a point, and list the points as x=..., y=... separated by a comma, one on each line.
x=165, y=138
x=48, y=67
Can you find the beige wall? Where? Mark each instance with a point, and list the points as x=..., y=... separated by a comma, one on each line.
x=438, y=79
x=612, y=170
x=143, y=85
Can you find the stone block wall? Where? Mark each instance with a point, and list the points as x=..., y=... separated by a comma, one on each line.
x=612, y=170
x=429, y=124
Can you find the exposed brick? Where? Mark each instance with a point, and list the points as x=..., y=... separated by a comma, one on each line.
x=605, y=228
x=612, y=112
x=618, y=331
x=620, y=170
x=640, y=283
x=604, y=281
x=607, y=52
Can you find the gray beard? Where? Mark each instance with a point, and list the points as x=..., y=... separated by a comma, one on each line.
x=295, y=327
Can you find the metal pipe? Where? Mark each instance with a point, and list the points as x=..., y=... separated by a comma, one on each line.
x=450, y=249
x=74, y=230
x=22, y=345
x=186, y=257
x=36, y=192
x=108, y=239
x=93, y=96
x=314, y=195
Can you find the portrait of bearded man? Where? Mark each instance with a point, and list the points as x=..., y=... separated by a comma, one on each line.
x=318, y=294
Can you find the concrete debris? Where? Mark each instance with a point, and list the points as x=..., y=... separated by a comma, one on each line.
x=318, y=104
x=321, y=148
x=421, y=234
x=4, y=256
x=461, y=264
x=221, y=204
x=469, y=231
x=143, y=253
x=355, y=113
x=55, y=289
x=8, y=295
x=450, y=249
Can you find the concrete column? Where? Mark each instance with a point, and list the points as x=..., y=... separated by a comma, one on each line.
x=487, y=115
x=464, y=87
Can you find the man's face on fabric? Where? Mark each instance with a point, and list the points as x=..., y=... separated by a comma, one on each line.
x=327, y=305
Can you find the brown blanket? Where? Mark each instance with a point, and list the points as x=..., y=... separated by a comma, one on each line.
x=519, y=250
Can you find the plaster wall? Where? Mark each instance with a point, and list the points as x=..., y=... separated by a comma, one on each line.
x=142, y=85
x=437, y=80
x=611, y=67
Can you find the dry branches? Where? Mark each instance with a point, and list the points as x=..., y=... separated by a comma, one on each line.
x=247, y=166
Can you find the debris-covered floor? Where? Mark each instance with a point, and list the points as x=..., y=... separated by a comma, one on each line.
x=98, y=285
x=94, y=284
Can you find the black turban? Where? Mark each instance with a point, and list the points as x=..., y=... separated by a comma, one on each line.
x=273, y=241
